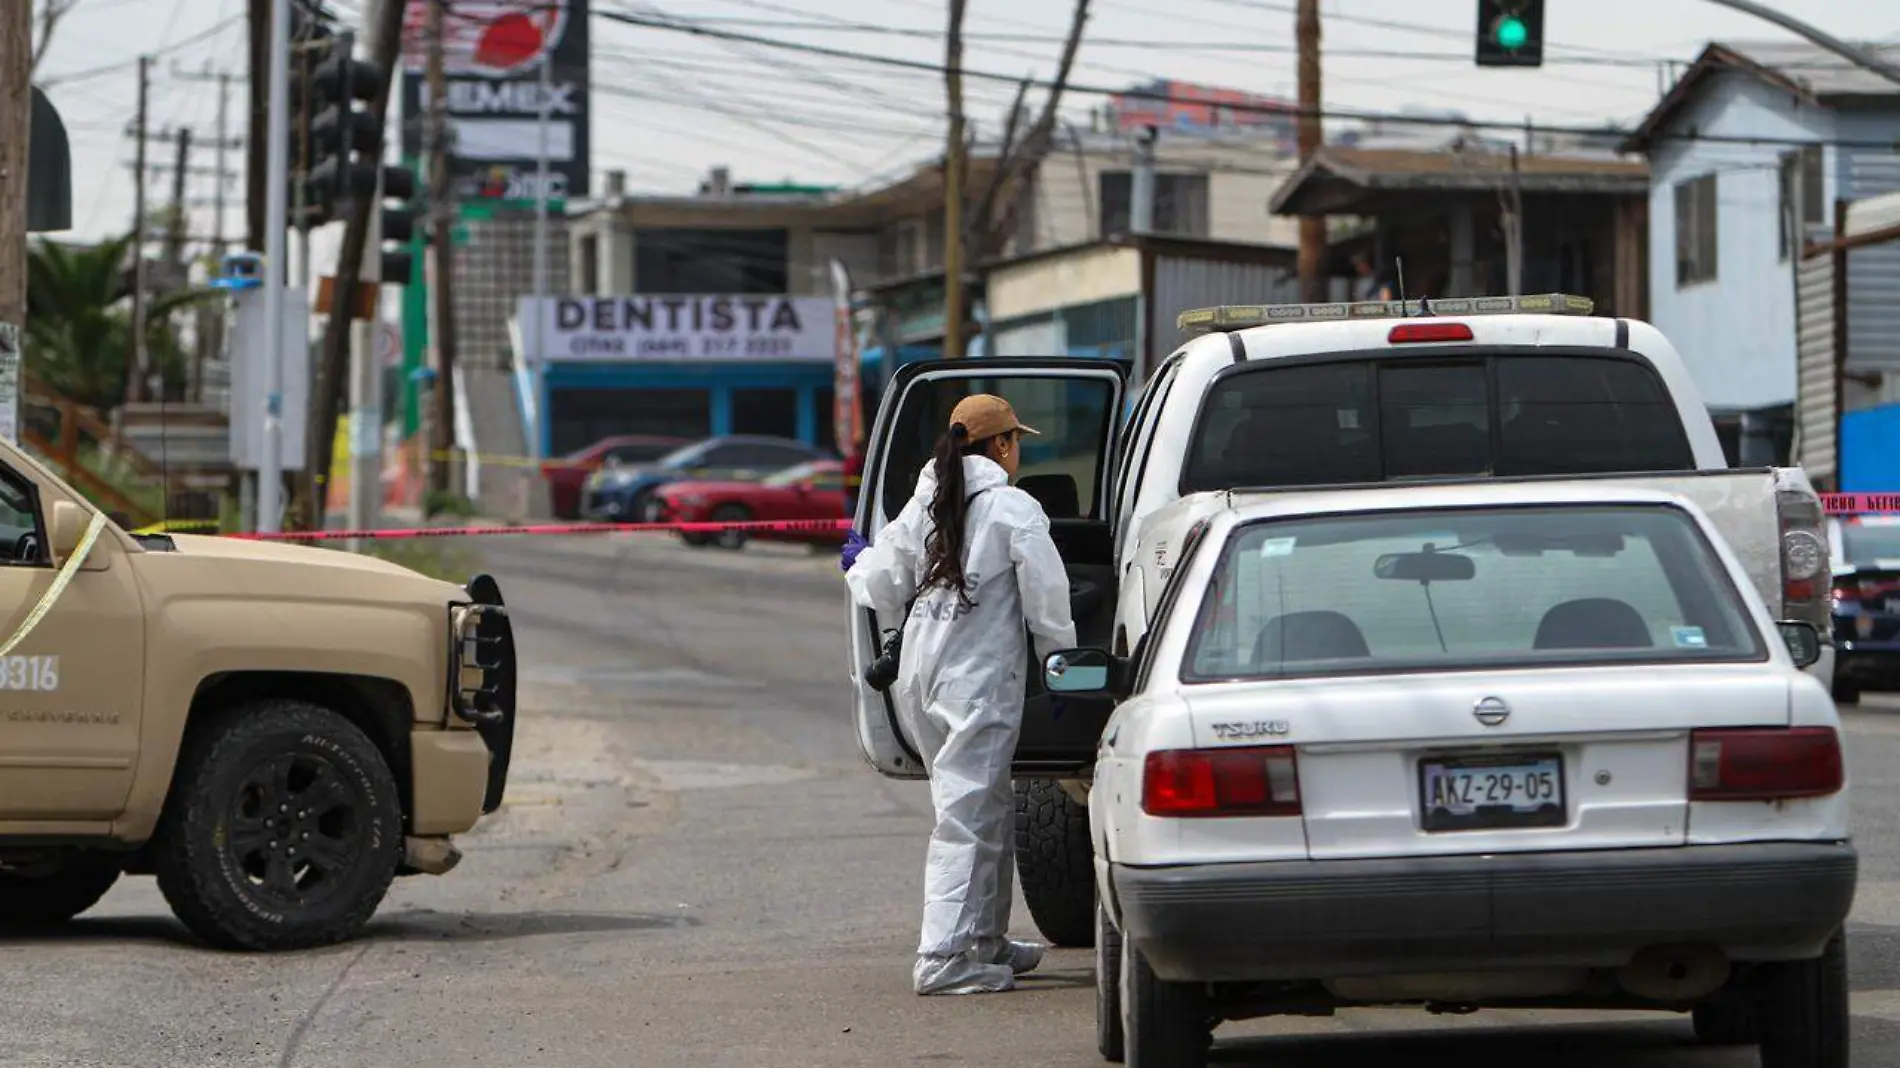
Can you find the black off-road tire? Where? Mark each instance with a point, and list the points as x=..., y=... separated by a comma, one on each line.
x=1108, y=988
x=254, y=784
x=1805, y=1019
x=733, y=540
x=1728, y=1021
x=39, y=898
x=1055, y=862
x=1165, y=1025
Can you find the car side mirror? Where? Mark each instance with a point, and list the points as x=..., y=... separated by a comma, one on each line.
x=1082, y=671
x=66, y=526
x=1804, y=641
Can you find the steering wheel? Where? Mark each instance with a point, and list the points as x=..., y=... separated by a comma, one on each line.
x=26, y=548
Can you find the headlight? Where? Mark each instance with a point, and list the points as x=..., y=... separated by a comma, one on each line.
x=472, y=661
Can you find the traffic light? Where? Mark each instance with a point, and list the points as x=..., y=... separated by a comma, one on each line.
x=398, y=225
x=313, y=39
x=1510, y=33
x=346, y=144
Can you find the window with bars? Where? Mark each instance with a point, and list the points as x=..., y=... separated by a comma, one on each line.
x=1180, y=206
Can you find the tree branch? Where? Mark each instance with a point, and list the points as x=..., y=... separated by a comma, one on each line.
x=51, y=11
x=1026, y=156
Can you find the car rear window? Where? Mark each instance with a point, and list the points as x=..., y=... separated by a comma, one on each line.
x=1467, y=589
x=1371, y=420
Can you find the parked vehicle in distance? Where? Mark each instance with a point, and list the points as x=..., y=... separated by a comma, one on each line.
x=619, y=494
x=567, y=475
x=1535, y=745
x=812, y=490
x=1865, y=553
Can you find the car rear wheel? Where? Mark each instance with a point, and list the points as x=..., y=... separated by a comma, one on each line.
x=1805, y=1017
x=1108, y=988
x=283, y=830
x=1055, y=862
x=731, y=513
x=1164, y=1024
x=41, y=895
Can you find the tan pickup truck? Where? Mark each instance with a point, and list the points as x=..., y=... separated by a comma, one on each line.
x=274, y=731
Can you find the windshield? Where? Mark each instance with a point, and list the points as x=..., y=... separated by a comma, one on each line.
x=1467, y=589
x=1863, y=544
x=685, y=455
x=1354, y=421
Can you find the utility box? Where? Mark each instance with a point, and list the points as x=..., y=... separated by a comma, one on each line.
x=249, y=404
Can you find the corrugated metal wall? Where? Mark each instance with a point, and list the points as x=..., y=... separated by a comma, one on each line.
x=1873, y=274
x=1181, y=284
x=1814, y=368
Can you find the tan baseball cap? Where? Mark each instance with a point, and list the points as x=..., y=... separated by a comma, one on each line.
x=986, y=416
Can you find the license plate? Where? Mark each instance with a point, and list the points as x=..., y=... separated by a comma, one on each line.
x=1486, y=793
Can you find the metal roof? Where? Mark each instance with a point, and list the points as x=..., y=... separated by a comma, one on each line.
x=1798, y=67
x=1392, y=170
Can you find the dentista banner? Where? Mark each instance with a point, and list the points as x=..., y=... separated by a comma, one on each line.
x=678, y=328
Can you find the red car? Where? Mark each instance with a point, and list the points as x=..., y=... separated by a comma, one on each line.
x=568, y=474
x=813, y=490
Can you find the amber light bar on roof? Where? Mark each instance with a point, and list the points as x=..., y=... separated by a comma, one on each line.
x=1241, y=316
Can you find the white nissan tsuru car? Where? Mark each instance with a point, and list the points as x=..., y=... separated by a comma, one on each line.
x=1463, y=746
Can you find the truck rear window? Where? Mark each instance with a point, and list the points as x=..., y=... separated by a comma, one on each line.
x=1370, y=420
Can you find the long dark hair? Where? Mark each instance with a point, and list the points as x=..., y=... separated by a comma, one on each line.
x=949, y=509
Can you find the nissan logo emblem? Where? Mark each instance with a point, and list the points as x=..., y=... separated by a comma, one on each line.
x=1491, y=711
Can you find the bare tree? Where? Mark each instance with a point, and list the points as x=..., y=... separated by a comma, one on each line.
x=51, y=11
x=984, y=234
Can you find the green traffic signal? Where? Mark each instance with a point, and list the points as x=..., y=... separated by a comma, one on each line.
x=1510, y=33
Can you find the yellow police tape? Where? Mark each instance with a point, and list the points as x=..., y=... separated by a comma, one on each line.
x=60, y=581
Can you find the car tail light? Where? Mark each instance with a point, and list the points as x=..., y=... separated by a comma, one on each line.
x=1804, y=562
x=1764, y=764
x=1254, y=781
x=1429, y=332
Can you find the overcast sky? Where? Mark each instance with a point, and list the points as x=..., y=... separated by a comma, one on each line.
x=668, y=106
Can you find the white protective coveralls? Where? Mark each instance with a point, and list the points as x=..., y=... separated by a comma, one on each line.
x=959, y=695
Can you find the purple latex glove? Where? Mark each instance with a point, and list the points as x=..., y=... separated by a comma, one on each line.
x=854, y=544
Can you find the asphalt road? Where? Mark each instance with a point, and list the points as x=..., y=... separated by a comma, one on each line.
x=695, y=867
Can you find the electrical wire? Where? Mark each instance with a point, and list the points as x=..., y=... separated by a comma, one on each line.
x=896, y=62
x=200, y=37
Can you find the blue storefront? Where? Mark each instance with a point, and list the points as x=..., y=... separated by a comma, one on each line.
x=678, y=367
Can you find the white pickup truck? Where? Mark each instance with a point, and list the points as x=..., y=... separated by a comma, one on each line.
x=1273, y=399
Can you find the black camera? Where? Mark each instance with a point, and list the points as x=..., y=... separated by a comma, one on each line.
x=882, y=674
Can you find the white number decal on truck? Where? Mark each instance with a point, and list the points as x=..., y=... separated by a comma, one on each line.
x=29, y=673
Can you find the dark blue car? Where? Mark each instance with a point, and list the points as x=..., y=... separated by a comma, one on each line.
x=620, y=494
x=1866, y=558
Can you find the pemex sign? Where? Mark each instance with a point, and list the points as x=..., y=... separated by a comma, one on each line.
x=492, y=55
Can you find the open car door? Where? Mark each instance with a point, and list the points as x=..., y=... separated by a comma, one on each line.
x=1076, y=404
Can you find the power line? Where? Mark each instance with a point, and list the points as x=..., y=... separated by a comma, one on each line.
x=1290, y=111
x=128, y=64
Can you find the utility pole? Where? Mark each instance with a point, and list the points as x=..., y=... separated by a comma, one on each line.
x=1514, y=230
x=175, y=226
x=270, y=475
x=366, y=375
x=953, y=189
x=1312, y=227
x=136, y=371
x=545, y=105
x=258, y=17
x=441, y=253
x=1141, y=185
x=16, y=116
